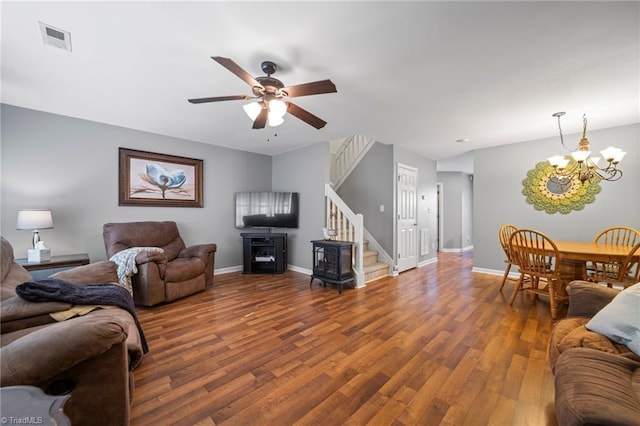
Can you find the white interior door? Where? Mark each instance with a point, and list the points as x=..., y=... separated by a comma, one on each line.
x=407, y=186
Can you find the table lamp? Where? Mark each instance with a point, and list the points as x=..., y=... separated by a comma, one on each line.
x=35, y=219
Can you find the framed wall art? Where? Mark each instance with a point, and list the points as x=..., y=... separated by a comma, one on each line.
x=544, y=194
x=160, y=180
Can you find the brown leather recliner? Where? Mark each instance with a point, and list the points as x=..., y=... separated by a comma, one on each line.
x=179, y=272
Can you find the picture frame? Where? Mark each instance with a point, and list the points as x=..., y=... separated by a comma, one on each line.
x=158, y=180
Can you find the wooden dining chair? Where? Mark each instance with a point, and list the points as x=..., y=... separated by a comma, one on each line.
x=504, y=235
x=537, y=258
x=617, y=236
x=624, y=275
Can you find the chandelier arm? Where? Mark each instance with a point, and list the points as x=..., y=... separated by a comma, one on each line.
x=609, y=174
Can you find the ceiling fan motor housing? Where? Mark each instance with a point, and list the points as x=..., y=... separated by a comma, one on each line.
x=271, y=85
x=268, y=67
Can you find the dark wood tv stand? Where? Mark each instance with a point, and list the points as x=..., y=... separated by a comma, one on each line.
x=264, y=252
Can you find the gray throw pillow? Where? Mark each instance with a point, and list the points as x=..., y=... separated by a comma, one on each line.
x=620, y=319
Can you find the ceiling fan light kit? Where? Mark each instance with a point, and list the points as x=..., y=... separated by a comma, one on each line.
x=271, y=96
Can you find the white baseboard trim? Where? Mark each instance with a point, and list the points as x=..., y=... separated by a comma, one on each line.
x=299, y=269
x=456, y=250
x=427, y=262
x=230, y=269
x=240, y=268
x=495, y=272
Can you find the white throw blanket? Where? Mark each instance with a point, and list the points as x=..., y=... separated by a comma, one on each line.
x=126, y=261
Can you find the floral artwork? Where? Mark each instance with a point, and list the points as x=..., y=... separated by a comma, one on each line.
x=151, y=179
x=551, y=197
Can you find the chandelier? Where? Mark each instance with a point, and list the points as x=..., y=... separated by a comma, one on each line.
x=581, y=165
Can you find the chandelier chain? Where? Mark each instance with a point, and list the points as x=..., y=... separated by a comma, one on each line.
x=558, y=115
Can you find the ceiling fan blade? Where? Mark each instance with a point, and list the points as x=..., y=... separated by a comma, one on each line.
x=220, y=98
x=314, y=88
x=237, y=70
x=261, y=119
x=305, y=116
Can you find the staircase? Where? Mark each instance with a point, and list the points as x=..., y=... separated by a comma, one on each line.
x=347, y=158
x=348, y=225
x=373, y=269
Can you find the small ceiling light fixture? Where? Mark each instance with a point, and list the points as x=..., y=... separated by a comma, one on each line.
x=581, y=164
x=277, y=109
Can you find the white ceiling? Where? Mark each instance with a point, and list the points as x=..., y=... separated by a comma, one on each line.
x=417, y=74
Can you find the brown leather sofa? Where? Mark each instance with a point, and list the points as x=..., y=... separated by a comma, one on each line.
x=597, y=381
x=90, y=357
x=162, y=277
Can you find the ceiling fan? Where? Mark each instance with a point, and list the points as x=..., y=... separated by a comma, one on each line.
x=271, y=95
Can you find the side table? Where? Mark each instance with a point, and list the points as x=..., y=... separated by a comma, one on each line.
x=45, y=268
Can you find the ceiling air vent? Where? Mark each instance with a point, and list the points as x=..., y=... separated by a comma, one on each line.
x=55, y=37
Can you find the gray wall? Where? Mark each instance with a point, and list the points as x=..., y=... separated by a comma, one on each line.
x=369, y=186
x=71, y=166
x=498, y=199
x=467, y=211
x=457, y=219
x=305, y=171
x=451, y=209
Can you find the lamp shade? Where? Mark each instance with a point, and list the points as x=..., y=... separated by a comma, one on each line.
x=35, y=219
x=277, y=107
x=274, y=120
x=252, y=109
x=580, y=156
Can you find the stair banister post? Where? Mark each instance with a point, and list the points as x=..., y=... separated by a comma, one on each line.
x=359, y=254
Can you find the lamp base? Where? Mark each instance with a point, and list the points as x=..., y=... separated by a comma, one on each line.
x=35, y=238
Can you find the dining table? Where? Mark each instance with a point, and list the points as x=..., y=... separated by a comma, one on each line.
x=574, y=255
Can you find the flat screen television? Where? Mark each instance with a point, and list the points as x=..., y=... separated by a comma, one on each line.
x=265, y=209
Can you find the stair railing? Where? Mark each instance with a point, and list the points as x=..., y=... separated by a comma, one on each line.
x=347, y=157
x=349, y=226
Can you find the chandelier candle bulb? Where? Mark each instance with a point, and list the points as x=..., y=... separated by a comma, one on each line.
x=580, y=156
x=558, y=161
x=613, y=155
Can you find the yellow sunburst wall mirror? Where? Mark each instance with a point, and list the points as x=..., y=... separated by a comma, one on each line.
x=547, y=194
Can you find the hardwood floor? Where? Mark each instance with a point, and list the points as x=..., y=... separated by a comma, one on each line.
x=435, y=345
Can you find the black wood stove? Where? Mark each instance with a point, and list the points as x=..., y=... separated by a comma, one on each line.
x=332, y=262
